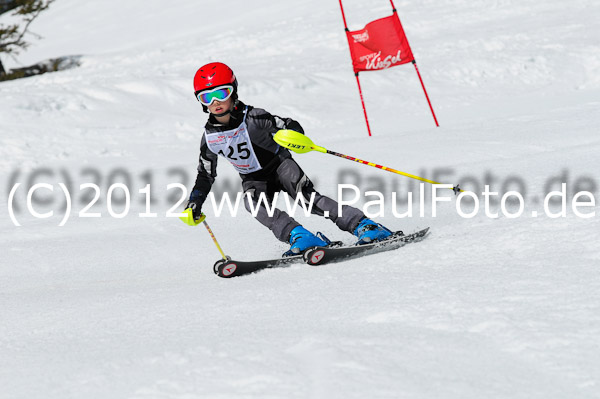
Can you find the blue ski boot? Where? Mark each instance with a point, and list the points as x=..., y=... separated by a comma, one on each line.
x=368, y=231
x=301, y=239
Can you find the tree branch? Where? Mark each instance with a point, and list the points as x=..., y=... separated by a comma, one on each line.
x=30, y=11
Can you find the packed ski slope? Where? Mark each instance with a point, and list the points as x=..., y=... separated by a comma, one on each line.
x=128, y=307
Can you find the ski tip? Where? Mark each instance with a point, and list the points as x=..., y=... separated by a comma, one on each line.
x=423, y=232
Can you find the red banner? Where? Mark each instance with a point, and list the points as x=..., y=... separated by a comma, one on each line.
x=380, y=44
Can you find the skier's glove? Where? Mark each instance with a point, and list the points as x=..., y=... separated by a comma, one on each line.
x=193, y=209
x=195, y=203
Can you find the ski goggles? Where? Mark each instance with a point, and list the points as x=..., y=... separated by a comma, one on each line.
x=206, y=97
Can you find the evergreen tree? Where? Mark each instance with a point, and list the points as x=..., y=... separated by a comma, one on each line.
x=12, y=36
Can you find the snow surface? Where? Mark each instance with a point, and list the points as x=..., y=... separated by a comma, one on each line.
x=130, y=308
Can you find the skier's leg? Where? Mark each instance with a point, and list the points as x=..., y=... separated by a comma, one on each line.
x=351, y=219
x=284, y=227
x=281, y=224
x=293, y=181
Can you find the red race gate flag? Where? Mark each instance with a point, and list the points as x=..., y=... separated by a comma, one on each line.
x=379, y=45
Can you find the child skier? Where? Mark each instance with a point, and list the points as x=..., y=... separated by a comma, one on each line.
x=244, y=136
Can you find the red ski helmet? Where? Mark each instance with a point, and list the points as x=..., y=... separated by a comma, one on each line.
x=214, y=75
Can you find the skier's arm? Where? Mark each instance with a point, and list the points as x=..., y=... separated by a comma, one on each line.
x=287, y=123
x=270, y=123
x=264, y=125
x=207, y=171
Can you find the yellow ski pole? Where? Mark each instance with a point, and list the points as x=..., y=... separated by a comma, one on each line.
x=214, y=238
x=301, y=144
x=190, y=221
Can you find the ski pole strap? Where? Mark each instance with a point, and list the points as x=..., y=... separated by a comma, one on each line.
x=214, y=239
x=456, y=189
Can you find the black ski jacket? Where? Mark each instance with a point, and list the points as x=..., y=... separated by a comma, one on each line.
x=261, y=128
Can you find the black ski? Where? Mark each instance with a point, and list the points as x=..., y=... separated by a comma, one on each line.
x=321, y=256
x=335, y=252
x=233, y=268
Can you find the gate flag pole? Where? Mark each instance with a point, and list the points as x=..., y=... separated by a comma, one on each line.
x=362, y=101
x=414, y=62
x=363, y=104
x=425, y=91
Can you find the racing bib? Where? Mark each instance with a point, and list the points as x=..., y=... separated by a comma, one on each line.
x=235, y=145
